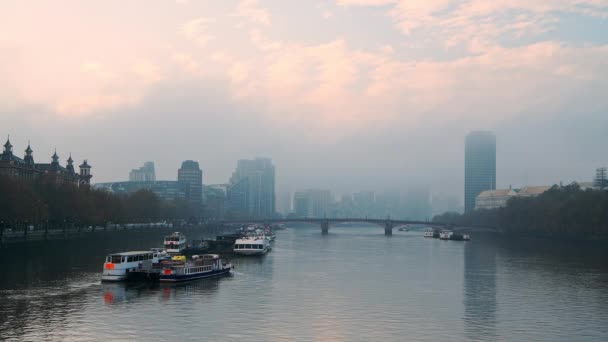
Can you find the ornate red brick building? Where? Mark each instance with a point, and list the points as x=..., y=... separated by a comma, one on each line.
x=26, y=169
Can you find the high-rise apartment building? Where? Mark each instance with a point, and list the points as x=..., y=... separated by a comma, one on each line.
x=302, y=204
x=479, y=166
x=252, y=188
x=284, y=204
x=190, y=176
x=145, y=173
x=312, y=203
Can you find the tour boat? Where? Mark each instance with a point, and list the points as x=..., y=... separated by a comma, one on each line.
x=118, y=265
x=252, y=245
x=428, y=232
x=445, y=234
x=175, y=243
x=205, y=266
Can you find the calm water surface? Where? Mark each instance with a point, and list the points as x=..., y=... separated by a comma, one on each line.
x=353, y=285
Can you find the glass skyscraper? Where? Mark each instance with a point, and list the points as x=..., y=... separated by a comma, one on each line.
x=190, y=176
x=479, y=166
x=252, y=188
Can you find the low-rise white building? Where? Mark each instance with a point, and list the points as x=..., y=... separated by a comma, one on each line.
x=493, y=199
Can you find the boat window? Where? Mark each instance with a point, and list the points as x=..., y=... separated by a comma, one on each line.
x=248, y=246
x=115, y=259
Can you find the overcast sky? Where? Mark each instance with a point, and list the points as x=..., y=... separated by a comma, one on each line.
x=343, y=94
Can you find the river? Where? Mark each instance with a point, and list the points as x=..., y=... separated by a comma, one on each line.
x=354, y=284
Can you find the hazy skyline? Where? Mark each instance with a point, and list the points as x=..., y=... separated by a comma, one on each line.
x=347, y=95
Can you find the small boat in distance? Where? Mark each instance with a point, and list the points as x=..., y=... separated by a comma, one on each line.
x=252, y=245
x=175, y=243
x=446, y=234
x=428, y=232
x=205, y=266
x=404, y=229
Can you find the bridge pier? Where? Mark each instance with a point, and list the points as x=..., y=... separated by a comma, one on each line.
x=325, y=227
x=388, y=228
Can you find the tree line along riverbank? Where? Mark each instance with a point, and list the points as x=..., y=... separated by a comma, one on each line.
x=43, y=203
x=564, y=211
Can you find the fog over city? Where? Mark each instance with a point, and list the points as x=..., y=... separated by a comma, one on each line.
x=347, y=95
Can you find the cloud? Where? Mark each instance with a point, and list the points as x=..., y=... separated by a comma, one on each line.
x=456, y=23
x=251, y=10
x=197, y=30
x=321, y=83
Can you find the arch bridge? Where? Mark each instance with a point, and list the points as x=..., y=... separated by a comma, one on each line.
x=325, y=223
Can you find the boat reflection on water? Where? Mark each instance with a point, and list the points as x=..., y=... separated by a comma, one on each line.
x=123, y=292
x=114, y=293
x=199, y=288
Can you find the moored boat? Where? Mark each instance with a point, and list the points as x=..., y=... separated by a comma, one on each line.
x=460, y=237
x=252, y=245
x=446, y=234
x=205, y=266
x=428, y=232
x=175, y=243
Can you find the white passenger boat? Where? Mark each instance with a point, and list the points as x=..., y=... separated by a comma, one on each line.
x=205, y=266
x=175, y=243
x=445, y=234
x=252, y=245
x=428, y=232
x=118, y=265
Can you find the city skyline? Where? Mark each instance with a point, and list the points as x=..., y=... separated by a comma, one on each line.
x=333, y=105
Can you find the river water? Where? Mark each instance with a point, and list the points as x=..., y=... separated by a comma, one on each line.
x=354, y=284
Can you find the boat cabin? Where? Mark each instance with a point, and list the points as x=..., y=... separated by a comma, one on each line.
x=175, y=243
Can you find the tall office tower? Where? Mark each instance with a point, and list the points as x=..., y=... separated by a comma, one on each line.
x=601, y=178
x=252, y=188
x=479, y=166
x=145, y=173
x=302, y=204
x=284, y=203
x=190, y=176
x=322, y=201
x=312, y=203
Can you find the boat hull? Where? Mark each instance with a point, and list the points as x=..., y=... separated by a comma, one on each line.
x=251, y=252
x=175, y=278
x=110, y=278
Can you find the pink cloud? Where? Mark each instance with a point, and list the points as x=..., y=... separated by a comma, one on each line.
x=251, y=10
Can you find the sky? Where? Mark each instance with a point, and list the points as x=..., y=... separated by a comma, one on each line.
x=341, y=94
